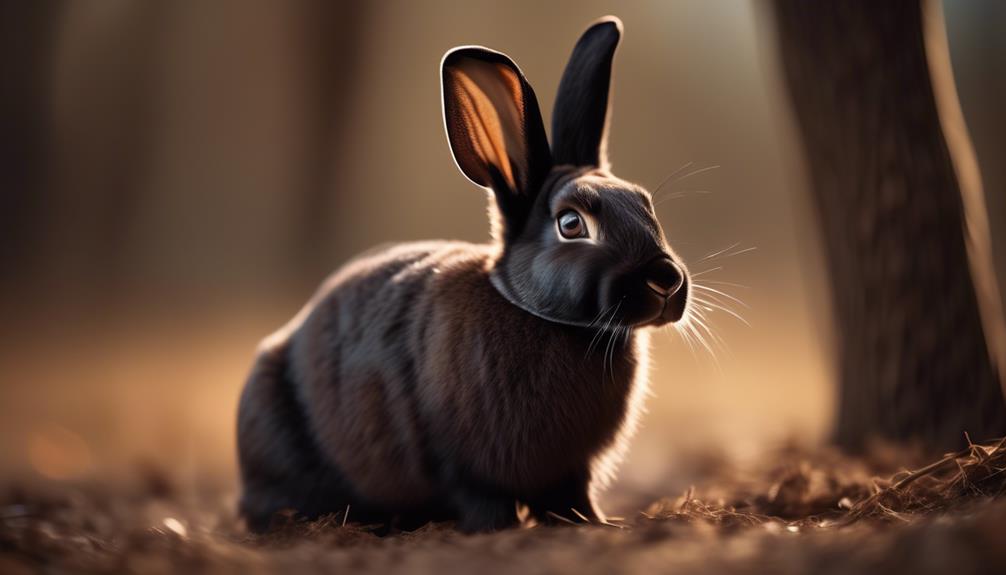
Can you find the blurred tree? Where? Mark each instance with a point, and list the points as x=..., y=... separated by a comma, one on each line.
x=26, y=40
x=122, y=144
x=99, y=136
x=977, y=47
x=913, y=357
x=333, y=42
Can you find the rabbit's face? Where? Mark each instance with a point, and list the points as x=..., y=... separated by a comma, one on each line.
x=592, y=253
x=579, y=246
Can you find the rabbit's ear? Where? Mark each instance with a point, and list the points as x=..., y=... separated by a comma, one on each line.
x=493, y=123
x=580, y=116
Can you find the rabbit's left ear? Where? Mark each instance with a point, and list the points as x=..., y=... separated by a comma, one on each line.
x=580, y=114
x=494, y=125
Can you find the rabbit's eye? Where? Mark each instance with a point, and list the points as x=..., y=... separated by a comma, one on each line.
x=571, y=225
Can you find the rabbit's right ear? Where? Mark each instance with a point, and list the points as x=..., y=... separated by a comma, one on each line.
x=580, y=115
x=494, y=125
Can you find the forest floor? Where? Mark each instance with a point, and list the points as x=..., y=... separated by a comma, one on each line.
x=804, y=512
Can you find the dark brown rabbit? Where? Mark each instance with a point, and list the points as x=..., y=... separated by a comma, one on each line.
x=447, y=380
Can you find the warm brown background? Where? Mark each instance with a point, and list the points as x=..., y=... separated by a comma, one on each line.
x=182, y=174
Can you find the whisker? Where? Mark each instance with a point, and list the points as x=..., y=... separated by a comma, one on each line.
x=609, y=353
x=704, y=323
x=718, y=252
x=743, y=251
x=717, y=299
x=677, y=195
x=681, y=329
x=737, y=253
x=698, y=171
x=704, y=272
x=599, y=314
x=600, y=331
x=669, y=176
x=719, y=282
x=714, y=305
x=590, y=347
x=727, y=253
x=683, y=193
x=669, y=179
x=593, y=340
x=696, y=320
x=604, y=356
x=717, y=343
x=626, y=335
x=712, y=290
x=702, y=341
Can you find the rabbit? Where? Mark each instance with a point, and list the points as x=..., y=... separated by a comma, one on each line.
x=483, y=384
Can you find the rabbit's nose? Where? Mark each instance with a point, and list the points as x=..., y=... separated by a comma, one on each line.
x=664, y=277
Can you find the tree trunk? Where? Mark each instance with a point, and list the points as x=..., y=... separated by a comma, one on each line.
x=913, y=359
x=27, y=30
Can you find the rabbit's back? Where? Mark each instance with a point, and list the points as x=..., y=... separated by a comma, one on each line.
x=355, y=359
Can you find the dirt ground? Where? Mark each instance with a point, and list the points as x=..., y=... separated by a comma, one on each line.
x=801, y=512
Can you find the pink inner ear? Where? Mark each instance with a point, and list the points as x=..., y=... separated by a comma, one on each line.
x=490, y=109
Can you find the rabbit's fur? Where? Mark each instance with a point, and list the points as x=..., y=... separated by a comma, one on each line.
x=447, y=380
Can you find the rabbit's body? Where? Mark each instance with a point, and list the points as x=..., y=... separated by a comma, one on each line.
x=412, y=397
x=450, y=380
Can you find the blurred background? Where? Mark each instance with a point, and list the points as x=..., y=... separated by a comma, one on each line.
x=179, y=176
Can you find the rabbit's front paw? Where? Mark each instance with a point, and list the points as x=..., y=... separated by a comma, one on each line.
x=569, y=501
x=481, y=514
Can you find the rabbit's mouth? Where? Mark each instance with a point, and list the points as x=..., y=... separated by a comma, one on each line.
x=672, y=307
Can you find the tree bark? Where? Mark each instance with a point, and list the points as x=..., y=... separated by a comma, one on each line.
x=913, y=359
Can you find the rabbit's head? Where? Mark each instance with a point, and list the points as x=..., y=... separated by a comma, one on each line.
x=578, y=245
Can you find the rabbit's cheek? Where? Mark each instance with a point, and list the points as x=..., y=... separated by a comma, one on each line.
x=565, y=284
x=628, y=291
